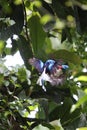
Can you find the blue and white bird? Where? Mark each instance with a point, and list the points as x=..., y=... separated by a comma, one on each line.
x=52, y=71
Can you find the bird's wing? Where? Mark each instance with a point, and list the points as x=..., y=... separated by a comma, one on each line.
x=38, y=64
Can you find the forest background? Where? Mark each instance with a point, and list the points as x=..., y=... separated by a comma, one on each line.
x=44, y=29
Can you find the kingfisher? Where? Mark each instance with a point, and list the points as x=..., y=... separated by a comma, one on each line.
x=52, y=71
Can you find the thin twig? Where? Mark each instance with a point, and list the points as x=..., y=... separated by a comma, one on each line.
x=26, y=25
x=25, y=21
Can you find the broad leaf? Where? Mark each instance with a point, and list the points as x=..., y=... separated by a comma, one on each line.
x=37, y=35
x=67, y=56
x=25, y=49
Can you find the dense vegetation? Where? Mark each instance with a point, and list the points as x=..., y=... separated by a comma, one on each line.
x=45, y=29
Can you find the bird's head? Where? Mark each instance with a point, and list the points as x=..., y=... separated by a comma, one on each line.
x=62, y=65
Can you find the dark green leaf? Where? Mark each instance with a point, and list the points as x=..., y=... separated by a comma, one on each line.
x=18, y=17
x=38, y=35
x=25, y=49
x=67, y=56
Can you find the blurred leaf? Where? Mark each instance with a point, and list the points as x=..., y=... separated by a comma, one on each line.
x=14, y=46
x=25, y=49
x=45, y=19
x=41, y=113
x=7, y=51
x=40, y=127
x=58, y=6
x=78, y=122
x=82, y=128
x=82, y=98
x=2, y=45
x=62, y=14
x=1, y=79
x=57, y=45
x=48, y=125
x=57, y=125
x=22, y=74
x=37, y=35
x=18, y=16
x=82, y=78
x=52, y=106
x=62, y=112
x=81, y=101
x=67, y=56
x=17, y=2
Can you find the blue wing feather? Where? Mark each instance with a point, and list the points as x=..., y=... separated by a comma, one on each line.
x=38, y=64
x=49, y=64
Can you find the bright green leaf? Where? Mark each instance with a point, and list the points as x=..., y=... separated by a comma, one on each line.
x=22, y=74
x=82, y=78
x=81, y=101
x=82, y=128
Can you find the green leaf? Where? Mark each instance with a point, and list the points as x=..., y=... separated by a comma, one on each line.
x=1, y=79
x=81, y=101
x=7, y=51
x=41, y=113
x=22, y=74
x=78, y=122
x=82, y=98
x=52, y=106
x=40, y=127
x=25, y=49
x=58, y=5
x=82, y=128
x=2, y=45
x=57, y=125
x=48, y=126
x=67, y=56
x=14, y=46
x=37, y=35
x=82, y=78
x=62, y=112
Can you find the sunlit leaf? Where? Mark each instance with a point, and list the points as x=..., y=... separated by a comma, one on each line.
x=80, y=102
x=57, y=125
x=82, y=128
x=40, y=127
x=17, y=2
x=82, y=78
x=45, y=19
x=22, y=74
